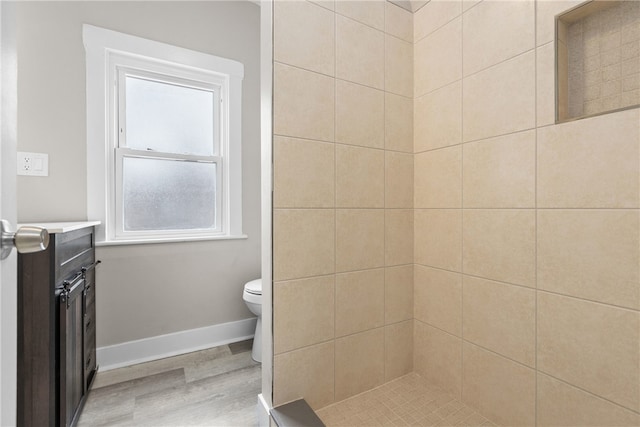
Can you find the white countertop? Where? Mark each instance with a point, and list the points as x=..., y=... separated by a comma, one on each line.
x=61, y=227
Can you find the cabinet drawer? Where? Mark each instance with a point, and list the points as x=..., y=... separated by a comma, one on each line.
x=73, y=251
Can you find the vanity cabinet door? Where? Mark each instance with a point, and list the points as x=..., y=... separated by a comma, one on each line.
x=71, y=344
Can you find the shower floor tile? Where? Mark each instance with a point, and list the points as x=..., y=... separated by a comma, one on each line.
x=405, y=401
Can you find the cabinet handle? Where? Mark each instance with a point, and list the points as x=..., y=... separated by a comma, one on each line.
x=72, y=285
x=90, y=267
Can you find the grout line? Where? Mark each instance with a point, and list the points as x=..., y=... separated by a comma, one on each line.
x=282, y=208
x=462, y=286
x=435, y=30
x=325, y=275
x=477, y=345
x=532, y=208
x=360, y=22
x=528, y=51
x=573, y=297
x=384, y=198
x=479, y=140
x=299, y=68
x=307, y=346
x=335, y=195
x=535, y=201
x=538, y=291
x=346, y=144
x=510, y=58
x=633, y=411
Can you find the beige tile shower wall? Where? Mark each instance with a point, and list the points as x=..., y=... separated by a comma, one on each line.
x=527, y=233
x=343, y=198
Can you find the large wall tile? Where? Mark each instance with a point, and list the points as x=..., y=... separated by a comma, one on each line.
x=398, y=66
x=437, y=357
x=590, y=254
x=367, y=12
x=359, y=115
x=501, y=318
x=306, y=373
x=303, y=243
x=359, y=301
x=303, y=173
x=398, y=22
x=437, y=238
x=303, y=313
x=443, y=47
x=398, y=350
x=560, y=404
x=500, y=99
x=590, y=163
x=398, y=294
x=437, y=120
x=398, y=119
x=500, y=172
x=398, y=175
x=438, y=178
x=359, y=239
x=495, y=31
x=500, y=245
x=304, y=36
x=359, y=53
x=500, y=389
x=434, y=15
x=437, y=298
x=398, y=231
x=303, y=103
x=359, y=363
x=359, y=177
x=546, y=84
x=593, y=346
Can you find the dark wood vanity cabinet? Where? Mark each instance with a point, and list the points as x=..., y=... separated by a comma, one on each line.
x=56, y=329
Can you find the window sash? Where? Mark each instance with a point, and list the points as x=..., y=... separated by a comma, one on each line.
x=123, y=72
x=121, y=234
x=131, y=67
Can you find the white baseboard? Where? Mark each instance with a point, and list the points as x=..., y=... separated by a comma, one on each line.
x=161, y=346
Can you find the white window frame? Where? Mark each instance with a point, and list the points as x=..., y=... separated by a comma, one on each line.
x=109, y=55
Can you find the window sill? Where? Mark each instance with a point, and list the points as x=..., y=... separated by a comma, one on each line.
x=169, y=240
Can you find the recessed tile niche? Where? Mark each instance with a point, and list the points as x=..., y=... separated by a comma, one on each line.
x=598, y=58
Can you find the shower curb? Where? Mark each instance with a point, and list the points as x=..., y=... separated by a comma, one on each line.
x=296, y=414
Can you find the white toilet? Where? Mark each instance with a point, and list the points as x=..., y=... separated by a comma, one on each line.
x=252, y=296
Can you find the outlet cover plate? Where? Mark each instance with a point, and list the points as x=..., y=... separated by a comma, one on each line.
x=33, y=164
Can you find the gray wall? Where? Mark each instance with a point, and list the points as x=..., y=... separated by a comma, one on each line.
x=144, y=290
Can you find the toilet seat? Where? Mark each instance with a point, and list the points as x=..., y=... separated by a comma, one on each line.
x=254, y=287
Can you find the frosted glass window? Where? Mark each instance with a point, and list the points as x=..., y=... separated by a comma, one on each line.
x=168, y=194
x=168, y=117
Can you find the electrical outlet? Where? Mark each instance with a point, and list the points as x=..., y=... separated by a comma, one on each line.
x=33, y=164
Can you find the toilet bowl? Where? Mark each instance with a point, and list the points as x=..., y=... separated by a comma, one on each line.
x=252, y=296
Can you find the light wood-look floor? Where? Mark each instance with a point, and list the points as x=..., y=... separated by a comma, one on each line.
x=214, y=387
